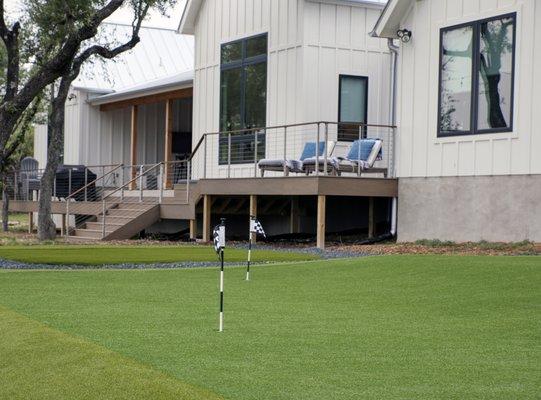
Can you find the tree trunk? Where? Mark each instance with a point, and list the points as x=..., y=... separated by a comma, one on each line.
x=5, y=206
x=46, y=225
x=495, y=116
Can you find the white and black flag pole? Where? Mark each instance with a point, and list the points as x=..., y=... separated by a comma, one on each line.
x=219, y=246
x=255, y=228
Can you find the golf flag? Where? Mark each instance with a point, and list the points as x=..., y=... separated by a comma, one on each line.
x=218, y=237
x=256, y=227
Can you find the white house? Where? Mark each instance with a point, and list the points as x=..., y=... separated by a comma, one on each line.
x=109, y=93
x=301, y=60
x=468, y=140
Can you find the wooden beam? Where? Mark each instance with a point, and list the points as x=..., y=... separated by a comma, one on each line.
x=321, y=205
x=133, y=145
x=168, y=151
x=193, y=229
x=371, y=218
x=294, y=221
x=207, y=205
x=150, y=99
x=253, y=213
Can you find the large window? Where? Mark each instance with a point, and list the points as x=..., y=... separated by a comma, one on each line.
x=352, y=106
x=243, y=99
x=477, y=63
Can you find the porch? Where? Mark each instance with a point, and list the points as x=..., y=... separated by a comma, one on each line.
x=123, y=200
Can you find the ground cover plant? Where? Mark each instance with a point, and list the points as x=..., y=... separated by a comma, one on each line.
x=392, y=327
x=110, y=255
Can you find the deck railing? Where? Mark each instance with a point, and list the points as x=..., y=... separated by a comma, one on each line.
x=217, y=155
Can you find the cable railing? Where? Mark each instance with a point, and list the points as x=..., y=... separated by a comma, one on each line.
x=239, y=153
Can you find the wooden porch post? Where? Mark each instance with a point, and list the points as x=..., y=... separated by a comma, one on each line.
x=193, y=229
x=30, y=222
x=168, y=143
x=321, y=205
x=253, y=213
x=133, y=146
x=371, y=218
x=294, y=223
x=207, y=204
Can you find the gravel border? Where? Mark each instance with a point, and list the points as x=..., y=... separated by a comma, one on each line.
x=324, y=254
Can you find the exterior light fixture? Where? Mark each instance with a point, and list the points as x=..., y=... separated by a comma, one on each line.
x=404, y=35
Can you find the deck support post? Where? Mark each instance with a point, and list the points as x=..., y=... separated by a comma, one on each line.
x=207, y=204
x=193, y=229
x=168, y=143
x=63, y=226
x=253, y=213
x=321, y=208
x=30, y=222
x=133, y=146
x=371, y=218
x=294, y=222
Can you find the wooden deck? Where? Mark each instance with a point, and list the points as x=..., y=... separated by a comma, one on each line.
x=179, y=205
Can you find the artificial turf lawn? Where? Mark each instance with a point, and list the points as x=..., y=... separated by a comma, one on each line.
x=107, y=255
x=396, y=327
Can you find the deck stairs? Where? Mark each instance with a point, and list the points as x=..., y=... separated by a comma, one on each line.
x=123, y=220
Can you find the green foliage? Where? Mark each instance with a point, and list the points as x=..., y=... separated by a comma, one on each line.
x=397, y=327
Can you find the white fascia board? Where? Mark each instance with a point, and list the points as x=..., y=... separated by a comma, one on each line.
x=354, y=3
x=189, y=17
x=391, y=17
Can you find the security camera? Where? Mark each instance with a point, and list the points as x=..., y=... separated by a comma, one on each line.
x=404, y=35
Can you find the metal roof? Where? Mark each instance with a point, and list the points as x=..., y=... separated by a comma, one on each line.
x=161, y=53
x=177, y=81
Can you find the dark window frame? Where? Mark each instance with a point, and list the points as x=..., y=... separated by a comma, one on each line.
x=340, y=122
x=242, y=63
x=476, y=57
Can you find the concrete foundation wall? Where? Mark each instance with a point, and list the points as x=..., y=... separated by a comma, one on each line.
x=461, y=209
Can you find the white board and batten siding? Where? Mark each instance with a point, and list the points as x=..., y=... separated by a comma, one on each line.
x=310, y=43
x=420, y=152
x=94, y=137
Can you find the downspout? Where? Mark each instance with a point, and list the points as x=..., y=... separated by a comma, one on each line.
x=394, y=67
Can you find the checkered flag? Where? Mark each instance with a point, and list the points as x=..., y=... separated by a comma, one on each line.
x=257, y=228
x=218, y=237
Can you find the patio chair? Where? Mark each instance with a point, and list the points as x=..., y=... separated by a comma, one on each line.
x=361, y=157
x=290, y=165
x=336, y=150
x=29, y=177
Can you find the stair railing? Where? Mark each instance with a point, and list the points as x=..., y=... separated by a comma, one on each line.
x=137, y=179
x=91, y=186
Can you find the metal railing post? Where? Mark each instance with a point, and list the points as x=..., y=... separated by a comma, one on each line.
x=326, y=149
x=161, y=183
x=122, y=183
x=285, y=151
x=188, y=175
x=86, y=183
x=141, y=169
x=317, y=148
x=255, y=152
x=229, y=155
x=103, y=213
x=205, y=157
x=69, y=182
x=66, y=227
x=359, y=151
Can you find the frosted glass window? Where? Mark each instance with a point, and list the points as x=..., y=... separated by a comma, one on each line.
x=353, y=106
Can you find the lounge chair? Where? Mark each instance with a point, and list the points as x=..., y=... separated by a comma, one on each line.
x=361, y=157
x=288, y=165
